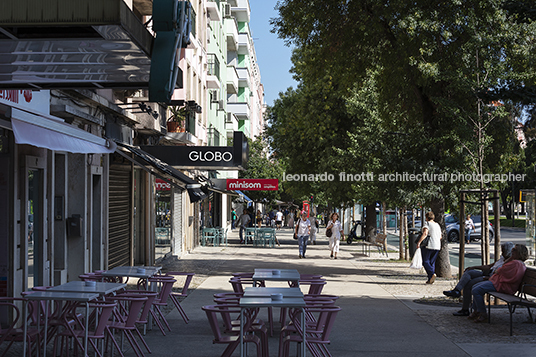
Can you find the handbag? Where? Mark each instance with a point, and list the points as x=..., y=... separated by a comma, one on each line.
x=424, y=242
x=295, y=236
x=328, y=232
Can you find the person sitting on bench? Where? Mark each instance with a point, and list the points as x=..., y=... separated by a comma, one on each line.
x=474, y=275
x=505, y=280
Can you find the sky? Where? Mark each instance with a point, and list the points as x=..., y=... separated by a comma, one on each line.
x=272, y=54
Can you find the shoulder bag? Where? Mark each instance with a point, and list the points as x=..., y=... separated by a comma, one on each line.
x=295, y=236
x=329, y=231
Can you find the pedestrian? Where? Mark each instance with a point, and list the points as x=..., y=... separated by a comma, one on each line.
x=336, y=234
x=469, y=227
x=259, y=218
x=505, y=280
x=475, y=275
x=243, y=223
x=291, y=219
x=314, y=229
x=278, y=219
x=431, y=250
x=303, y=229
x=233, y=219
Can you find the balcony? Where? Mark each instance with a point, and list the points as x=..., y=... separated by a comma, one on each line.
x=213, y=72
x=241, y=11
x=243, y=77
x=232, y=80
x=213, y=10
x=231, y=33
x=239, y=109
x=73, y=44
x=244, y=43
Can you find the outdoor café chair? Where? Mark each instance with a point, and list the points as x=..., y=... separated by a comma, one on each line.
x=104, y=312
x=232, y=342
x=175, y=296
x=125, y=320
x=317, y=335
x=14, y=329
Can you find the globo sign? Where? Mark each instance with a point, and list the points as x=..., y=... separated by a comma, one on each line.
x=211, y=156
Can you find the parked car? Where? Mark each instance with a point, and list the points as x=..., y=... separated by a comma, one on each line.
x=453, y=229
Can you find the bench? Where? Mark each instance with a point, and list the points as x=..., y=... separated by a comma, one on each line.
x=380, y=241
x=527, y=288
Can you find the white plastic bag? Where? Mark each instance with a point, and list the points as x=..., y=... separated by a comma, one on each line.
x=416, y=263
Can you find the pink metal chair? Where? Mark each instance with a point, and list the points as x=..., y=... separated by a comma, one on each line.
x=317, y=335
x=104, y=312
x=175, y=296
x=143, y=319
x=11, y=333
x=166, y=284
x=233, y=342
x=126, y=323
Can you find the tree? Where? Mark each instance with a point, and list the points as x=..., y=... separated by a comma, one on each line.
x=422, y=56
x=262, y=166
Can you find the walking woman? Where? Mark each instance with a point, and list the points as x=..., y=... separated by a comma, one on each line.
x=336, y=234
x=303, y=228
x=431, y=250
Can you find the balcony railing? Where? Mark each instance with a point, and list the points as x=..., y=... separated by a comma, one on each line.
x=213, y=65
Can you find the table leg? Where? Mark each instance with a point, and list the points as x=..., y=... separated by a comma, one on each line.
x=46, y=328
x=25, y=314
x=304, y=344
x=242, y=352
x=87, y=327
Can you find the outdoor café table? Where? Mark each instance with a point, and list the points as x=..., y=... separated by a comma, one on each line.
x=141, y=272
x=80, y=287
x=291, y=275
x=256, y=291
x=258, y=302
x=58, y=296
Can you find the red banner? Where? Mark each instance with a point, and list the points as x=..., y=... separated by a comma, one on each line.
x=162, y=185
x=253, y=184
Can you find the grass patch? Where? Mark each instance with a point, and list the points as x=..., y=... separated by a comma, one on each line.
x=518, y=222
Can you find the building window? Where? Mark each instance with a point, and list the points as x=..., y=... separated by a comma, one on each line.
x=213, y=65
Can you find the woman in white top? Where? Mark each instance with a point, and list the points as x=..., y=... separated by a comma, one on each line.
x=336, y=234
x=431, y=251
x=303, y=228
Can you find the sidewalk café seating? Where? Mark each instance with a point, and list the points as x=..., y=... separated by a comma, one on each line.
x=251, y=236
x=98, y=333
x=143, y=319
x=318, y=333
x=175, y=296
x=209, y=235
x=125, y=320
x=212, y=312
x=14, y=330
x=166, y=284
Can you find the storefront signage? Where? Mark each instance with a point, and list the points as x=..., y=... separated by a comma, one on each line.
x=211, y=156
x=34, y=101
x=253, y=184
x=162, y=185
x=204, y=157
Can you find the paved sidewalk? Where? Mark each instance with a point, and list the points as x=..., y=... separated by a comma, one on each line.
x=379, y=316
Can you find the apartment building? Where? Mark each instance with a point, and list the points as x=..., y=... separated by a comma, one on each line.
x=90, y=97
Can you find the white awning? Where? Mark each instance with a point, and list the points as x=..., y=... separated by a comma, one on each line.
x=52, y=133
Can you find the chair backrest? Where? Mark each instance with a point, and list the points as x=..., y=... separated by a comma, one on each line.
x=8, y=308
x=150, y=295
x=106, y=310
x=187, y=281
x=212, y=316
x=327, y=319
x=165, y=289
x=134, y=308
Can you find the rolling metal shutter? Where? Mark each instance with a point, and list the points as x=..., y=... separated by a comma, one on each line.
x=119, y=231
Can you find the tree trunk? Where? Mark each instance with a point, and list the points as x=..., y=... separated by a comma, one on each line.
x=442, y=266
x=371, y=221
x=506, y=203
